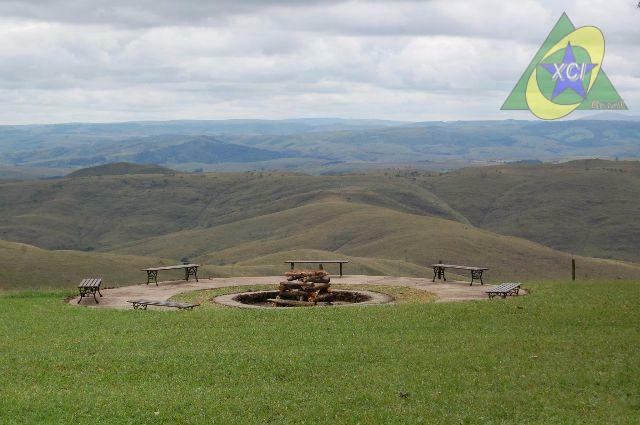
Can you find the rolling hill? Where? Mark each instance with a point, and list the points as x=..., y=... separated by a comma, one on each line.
x=589, y=207
x=524, y=221
x=369, y=234
x=28, y=267
x=104, y=212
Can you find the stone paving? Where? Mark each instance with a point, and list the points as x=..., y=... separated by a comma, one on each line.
x=117, y=297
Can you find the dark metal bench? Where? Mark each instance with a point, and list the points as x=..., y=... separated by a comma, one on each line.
x=89, y=287
x=143, y=304
x=318, y=262
x=476, y=272
x=189, y=270
x=504, y=289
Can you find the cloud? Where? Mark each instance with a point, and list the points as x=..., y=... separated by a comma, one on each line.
x=106, y=61
x=139, y=13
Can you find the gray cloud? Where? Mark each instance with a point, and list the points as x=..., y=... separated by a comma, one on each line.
x=141, y=13
x=105, y=61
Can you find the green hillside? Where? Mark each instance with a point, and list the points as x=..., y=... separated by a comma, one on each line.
x=28, y=267
x=395, y=222
x=589, y=207
x=104, y=212
x=381, y=240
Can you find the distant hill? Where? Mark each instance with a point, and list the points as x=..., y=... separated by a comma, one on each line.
x=317, y=146
x=119, y=169
x=206, y=150
x=30, y=173
x=612, y=116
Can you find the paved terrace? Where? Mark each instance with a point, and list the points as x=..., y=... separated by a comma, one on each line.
x=117, y=297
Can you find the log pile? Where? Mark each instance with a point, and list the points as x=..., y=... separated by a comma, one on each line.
x=305, y=287
x=313, y=276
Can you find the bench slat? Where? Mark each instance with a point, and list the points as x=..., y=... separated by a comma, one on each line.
x=90, y=283
x=163, y=303
x=504, y=289
x=176, y=267
x=455, y=266
x=317, y=261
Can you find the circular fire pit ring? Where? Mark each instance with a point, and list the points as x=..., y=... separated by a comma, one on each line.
x=342, y=298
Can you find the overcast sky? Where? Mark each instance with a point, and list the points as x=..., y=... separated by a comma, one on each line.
x=101, y=61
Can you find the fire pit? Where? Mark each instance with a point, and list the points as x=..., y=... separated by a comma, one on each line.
x=303, y=288
x=341, y=298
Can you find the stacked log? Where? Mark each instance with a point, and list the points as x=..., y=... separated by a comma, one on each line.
x=314, y=276
x=305, y=287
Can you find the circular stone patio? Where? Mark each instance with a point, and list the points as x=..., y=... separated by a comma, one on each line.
x=117, y=297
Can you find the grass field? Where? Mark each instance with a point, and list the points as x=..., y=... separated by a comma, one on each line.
x=566, y=353
x=400, y=294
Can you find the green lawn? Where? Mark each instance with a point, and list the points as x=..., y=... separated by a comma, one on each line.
x=566, y=353
x=400, y=294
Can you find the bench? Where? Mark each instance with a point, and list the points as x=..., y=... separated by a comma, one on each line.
x=143, y=304
x=504, y=289
x=476, y=272
x=318, y=262
x=189, y=270
x=89, y=287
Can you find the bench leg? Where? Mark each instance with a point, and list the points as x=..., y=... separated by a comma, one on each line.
x=99, y=292
x=293, y=265
x=438, y=272
x=340, y=269
x=476, y=274
x=81, y=295
x=191, y=271
x=152, y=275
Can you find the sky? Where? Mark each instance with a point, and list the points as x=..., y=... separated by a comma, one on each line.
x=115, y=60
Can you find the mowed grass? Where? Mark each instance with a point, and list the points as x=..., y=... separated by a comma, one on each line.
x=566, y=353
x=400, y=294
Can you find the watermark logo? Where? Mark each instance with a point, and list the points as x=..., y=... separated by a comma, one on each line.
x=566, y=74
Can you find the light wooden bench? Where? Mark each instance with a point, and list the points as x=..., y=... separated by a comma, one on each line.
x=143, y=304
x=318, y=262
x=189, y=270
x=504, y=289
x=89, y=287
x=476, y=272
